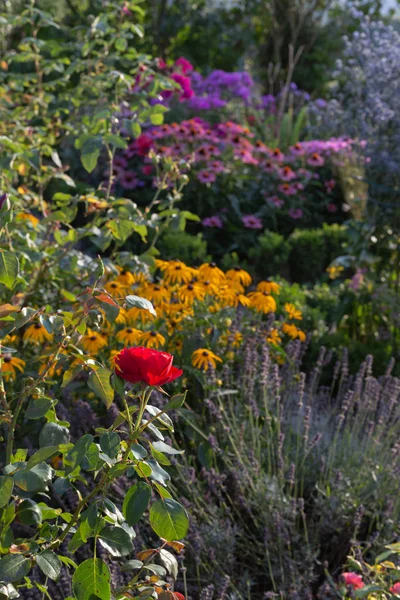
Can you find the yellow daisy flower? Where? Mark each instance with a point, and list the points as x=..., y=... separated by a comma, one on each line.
x=234, y=341
x=134, y=314
x=10, y=365
x=229, y=297
x=240, y=275
x=22, y=216
x=292, y=331
x=125, y=278
x=115, y=289
x=210, y=288
x=269, y=287
x=37, y=334
x=262, y=302
x=175, y=346
x=292, y=311
x=210, y=272
x=111, y=359
x=273, y=337
x=94, y=341
x=129, y=336
x=174, y=324
x=190, y=292
x=203, y=359
x=177, y=272
x=152, y=339
x=155, y=292
x=334, y=271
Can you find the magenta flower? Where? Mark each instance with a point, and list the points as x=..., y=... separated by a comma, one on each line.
x=129, y=180
x=275, y=201
x=214, y=221
x=216, y=166
x=206, y=176
x=287, y=189
x=331, y=207
x=287, y=174
x=252, y=222
x=315, y=160
x=395, y=589
x=353, y=580
x=184, y=64
x=330, y=185
x=295, y=213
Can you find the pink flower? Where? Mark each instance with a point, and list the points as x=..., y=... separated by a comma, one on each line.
x=297, y=150
x=295, y=213
x=216, y=166
x=206, y=176
x=214, y=221
x=353, y=580
x=147, y=169
x=275, y=201
x=184, y=64
x=287, y=174
x=252, y=222
x=129, y=181
x=125, y=11
x=395, y=589
x=184, y=83
x=277, y=155
x=332, y=208
x=287, y=189
x=330, y=185
x=315, y=160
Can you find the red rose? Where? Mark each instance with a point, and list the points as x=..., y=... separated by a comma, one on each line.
x=152, y=367
x=179, y=596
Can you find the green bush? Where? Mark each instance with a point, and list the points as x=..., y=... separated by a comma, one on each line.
x=271, y=255
x=190, y=249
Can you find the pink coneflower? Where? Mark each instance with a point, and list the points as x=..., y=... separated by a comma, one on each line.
x=275, y=201
x=214, y=221
x=252, y=222
x=287, y=189
x=287, y=174
x=162, y=150
x=315, y=160
x=395, y=589
x=246, y=157
x=129, y=180
x=178, y=149
x=297, y=150
x=206, y=176
x=330, y=185
x=216, y=166
x=261, y=147
x=304, y=173
x=295, y=213
x=120, y=162
x=202, y=153
x=277, y=155
x=353, y=580
x=298, y=186
x=268, y=166
x=331, y=207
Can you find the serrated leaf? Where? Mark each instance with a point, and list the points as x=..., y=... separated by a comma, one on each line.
x=99, y=383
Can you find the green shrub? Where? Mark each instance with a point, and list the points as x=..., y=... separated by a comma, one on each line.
x=190, y=249
x=271, y=254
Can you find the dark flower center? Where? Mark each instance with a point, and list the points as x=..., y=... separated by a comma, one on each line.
x=129, y=330
x=238, y=269
x=157, y=288
x=205, y=353
x=212, y=264
x=7, y=359
x=93, y=338
x=190, y=287
x=114, y=285
x=153, y=333
x=38, y=326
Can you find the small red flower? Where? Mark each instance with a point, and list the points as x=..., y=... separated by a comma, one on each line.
x=179, y=596
x=145, y=365
x=353, y=580
x=395, y=589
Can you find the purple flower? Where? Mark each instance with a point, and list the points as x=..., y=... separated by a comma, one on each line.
x=206, y=176
x=252, y=222
x=129, y=180
x=3, y=199
x=214, y=221
x=295, y=213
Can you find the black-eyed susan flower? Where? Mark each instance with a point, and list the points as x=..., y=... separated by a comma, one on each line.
x=174, y=324
x=210, y=272
x=292, y=331
x=10, y=365
x=334, y=271
x=129, y=336
x=111, y=358
x=190, y=292
x=125, y=277
x=269, y=287
x=240, y=275
x=138, y=315
x=262, y=302
x=228, y=297
x=37, y=334
x=157, y=293
x=115, y=288
x=94, y=341
x=204, y=359
x=50, y=372
x=273, y=337
x=152, y=339
x=209, y=287
x=175, y=346
x=177, y=272
x=292, y=311
x=233, y=340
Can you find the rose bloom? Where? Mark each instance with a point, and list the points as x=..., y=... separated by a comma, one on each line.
x=145, y=365
x=353, y=580
x=395, y=589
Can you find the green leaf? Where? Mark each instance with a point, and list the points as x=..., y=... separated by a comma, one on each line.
x=34, y=480
x=110, y=443
x=53, y=435
x=49, y=564
x=9, y=266
x=157, y=472
x=90, y=153
x=160, y=457
x=138, y=451
x=176, y=401
x=367, y=590
x=138, y=302
x=162, y=447
x=136, y=502
x=14, y=567
x=91, y=459
x=136, y=130
x=76, y=455
x=99, y=383
x=169, y=519
x=157, y=119
x=91, y=580
x=29, y=513
x=38, y=408
x=116, y=540
x=41, y=455
x=6, y=488
x=130, y=565
x=170, y=562
x=8, y=591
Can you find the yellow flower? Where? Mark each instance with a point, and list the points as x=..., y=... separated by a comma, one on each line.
x=190, y=292
x=209, y=287
x=233, y=340
x=262, y=302
x=229, y=297
x=273, y=337
x=240, y=275
x=210, y=272
x=155, y=292
x=203, y=359
x=174, y=324
x=152, y=339
x=111, y=359
x=37, y=334
x=128, y=279
x=10, y=365
x=292, y=331
x=129, y=336
x=177, y=272
x=22, y=216
x=175, y=346
x=214, y=308
x=94, y=341
x=134, y=314
x=334, y=271
x=115, y=288
x=292, y=311
x=269, y=287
